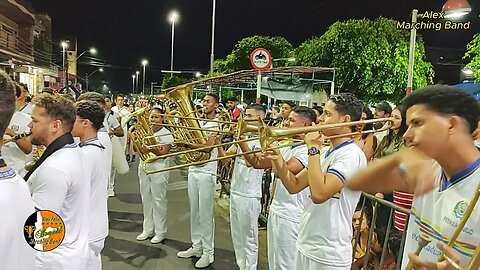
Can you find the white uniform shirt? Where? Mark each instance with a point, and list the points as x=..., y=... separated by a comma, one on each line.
x=123, y=113
x=62, y=184
x=16, y=204
x=110, y=121
x=97, y=159
x=439, y=212
x=13, y=155
x=326, y=229
x=246, y=181
x=165, y=138
x=104, y=139
x=28, y=108
x=210, y=167
x=284, y=204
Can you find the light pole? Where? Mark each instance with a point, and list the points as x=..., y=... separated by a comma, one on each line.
x=136, y=82
x=173, y=18
x=133, y=84
x=64, y=46
x=452, y=9
x=92, y=51
x=144, y=64
x=212, y=55
x=87, y=76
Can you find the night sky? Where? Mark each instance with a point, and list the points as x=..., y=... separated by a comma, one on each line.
x=124, y=32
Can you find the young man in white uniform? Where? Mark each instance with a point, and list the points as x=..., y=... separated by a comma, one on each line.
x=88, y=121
x=15, y=200
x=123, y=113
x=16, y=153
x=286, y=209
x=201, y=192
x=245, y=196
x=331, y=205
x=115, y=131
x=442, y=167
x=21, y=101
x=153, y=187
x=59, y=181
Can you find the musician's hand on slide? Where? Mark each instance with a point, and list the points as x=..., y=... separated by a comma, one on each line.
x=10, y=132
x=273, y=154
x=420, y=264
x=218, y=139
x=417, y=170
x=314, y=138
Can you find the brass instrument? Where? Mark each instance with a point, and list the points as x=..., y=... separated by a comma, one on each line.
x=140, y=130
x=38, y=151
x=16, y=137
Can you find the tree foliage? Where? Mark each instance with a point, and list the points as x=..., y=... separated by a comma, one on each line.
x=171, y=81
x=372, y=57
x=473, y=53
x=239, y=58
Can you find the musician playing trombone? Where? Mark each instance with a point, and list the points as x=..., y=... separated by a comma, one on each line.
x=153, y=187
x=245, y=196
x=441, y=166
x=201, y=192
x=286, y=209
x=324, y=238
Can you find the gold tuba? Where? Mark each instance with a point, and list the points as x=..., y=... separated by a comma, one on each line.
x=181, y=98
x=140, y=130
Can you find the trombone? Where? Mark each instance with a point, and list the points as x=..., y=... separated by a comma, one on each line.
x=16, y=138
x=267, y=135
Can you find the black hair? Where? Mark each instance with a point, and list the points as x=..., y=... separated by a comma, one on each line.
x=369, y=126
x=160, y=110
x=57, y=108
x=120, y=95
x=257, y=107
x=69, y=97
x=18, y=90
x=7, y=101
x=446, y=100
x=306, y=113
x=93, y=96
x=348, y=104
x=394, y=242
x=214, y=96
x=290, y=103
x=109, y=98
x=91, y=110
x=24, y=86
x=234, y=99
x=319, y=109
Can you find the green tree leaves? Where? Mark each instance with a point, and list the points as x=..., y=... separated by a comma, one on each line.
x=473, y=53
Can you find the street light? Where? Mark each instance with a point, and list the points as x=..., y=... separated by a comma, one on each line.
x=452, y=9
x=144, y=64
x=87, y=76
x=64, y=45
x=92, y=51
x=212, y=55
x=173, y=18
x=136, y=83
x=133, y=84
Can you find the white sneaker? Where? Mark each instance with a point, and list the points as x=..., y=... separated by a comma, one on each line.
x=157, y=239
x=204, y=261
x=111, y=193
x=144, y=236
x=189, y=253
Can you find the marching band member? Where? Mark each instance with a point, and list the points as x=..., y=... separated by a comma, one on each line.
x=22, y=104
x=89, y=119
x=441, y=166
x=245, y=196
x=115, y=130
x=57, y=181
x=153, y=187
x=331, y=205
x=285, y=111
x=286, y=209
x=201, y=192
x=123, y=113
x=15, y=200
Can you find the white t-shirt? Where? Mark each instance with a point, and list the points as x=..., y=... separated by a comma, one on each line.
x=326, y=231
x=110, y=121
x=123, y=113
x=105, y=140
x=210, y=167
x=97, y=159
x=284, y=204
x=13, y=155
x=246, y=181
x=438, y=213
x=28, y=108
x=17, y=206
x=62, y=184
x=165, y=138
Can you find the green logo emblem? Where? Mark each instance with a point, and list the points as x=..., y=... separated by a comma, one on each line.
x=460, y=209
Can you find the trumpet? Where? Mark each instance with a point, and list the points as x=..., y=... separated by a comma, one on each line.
x=16, y=137
x=268, y=135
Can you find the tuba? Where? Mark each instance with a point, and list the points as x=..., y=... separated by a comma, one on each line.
x=181, y=104
x=140, y=130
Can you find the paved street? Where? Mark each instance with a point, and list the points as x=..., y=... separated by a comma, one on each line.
x=123, y=252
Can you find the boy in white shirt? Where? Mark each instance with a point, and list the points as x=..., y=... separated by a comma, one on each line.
x=15, y=200
x=332, y=205
x=441, y=165
x=88, y=121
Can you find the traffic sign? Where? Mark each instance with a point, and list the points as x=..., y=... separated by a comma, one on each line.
x=261, y=59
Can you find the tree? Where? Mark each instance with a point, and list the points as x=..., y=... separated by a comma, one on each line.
x=239, y=58
x=372, y=57
x=473, y=53
x=171, y=81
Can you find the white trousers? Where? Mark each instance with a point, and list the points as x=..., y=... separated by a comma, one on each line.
x=111, y=182
x=201, y=192
x=281, y=237
x=153, y=190
x=94, y=258
x=305, y=263
x=244, y=214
